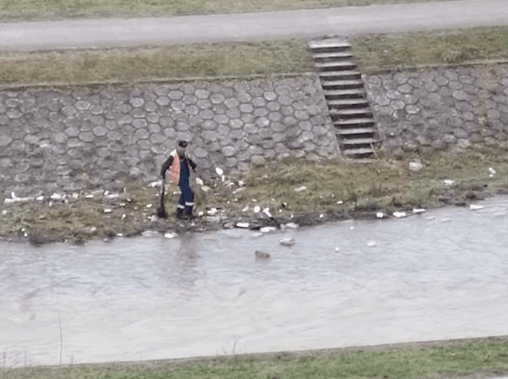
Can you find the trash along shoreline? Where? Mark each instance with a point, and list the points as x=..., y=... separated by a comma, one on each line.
x=283, y=195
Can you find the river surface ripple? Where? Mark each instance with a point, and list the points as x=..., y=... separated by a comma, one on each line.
x=438, y=275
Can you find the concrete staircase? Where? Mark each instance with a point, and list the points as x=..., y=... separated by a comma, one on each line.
x=346, y=97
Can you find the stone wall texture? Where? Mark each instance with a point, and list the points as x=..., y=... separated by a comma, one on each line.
x=437, y=109
x=50, y=139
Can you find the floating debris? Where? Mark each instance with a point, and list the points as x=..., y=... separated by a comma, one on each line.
x=170, y=235
x=476, y=207
x=419, y=210
x=261, y=255
x=371, y=243
x=399, y=214
x=380, y=215
x=266, y=211
x=119, y=235
x=337, y=249
x=351, y=228
x=257, y=209
x=287, y=241
x=303, y=188
x=292, y=225
x=268, y=229
x=242, y=224
x=449, y=182
x=321, y=215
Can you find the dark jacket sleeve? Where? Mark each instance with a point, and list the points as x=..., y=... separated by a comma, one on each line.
x=166, y=165
x=192, y=164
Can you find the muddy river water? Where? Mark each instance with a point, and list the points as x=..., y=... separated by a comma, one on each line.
x=437, y=275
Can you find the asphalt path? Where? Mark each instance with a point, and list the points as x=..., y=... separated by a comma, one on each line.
x=102, y=33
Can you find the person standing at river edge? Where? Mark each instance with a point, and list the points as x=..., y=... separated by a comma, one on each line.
x=178, y=163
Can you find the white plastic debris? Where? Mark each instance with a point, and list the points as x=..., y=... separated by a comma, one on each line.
x=119, y=235
x=40, y=198
x=245, y=209
x=302, y=188
x=205, y=188
x=57, y=196
x=380, y=215
x=242, y=224
x=371, y=243
x=149, y=206
x=492, y=171
x=399, y=214
x=75, y=195
x=152, y=218
x=219, y=171
x=268, y=229
x=474, y=207
x=170, y=235
x=123, y=216
x=4, y=212
x=266, y=211
x=199, y=181
x=239, y=190
x=200, y=213
x=89, y=196
x=241, y=183
x=337, y=249
x=449, y=182
x=107, y=210
x=287, y=241
x=113, y=196
x=212, y=211
x=292, y=225
x=93, y=229
x=149, y=233
x=339, y=202
x=351, y=228
x=419, y=210
x=257, y=209
x=415, y=166
x=157, y=183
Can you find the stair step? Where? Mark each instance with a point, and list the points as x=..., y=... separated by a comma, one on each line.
x=355, y=152
x=330, y=44
x=359, y=141
x=335, y=66
x=337, y=75
x=348, y=103
x=342, y=84
x=355, y=131
x=336, y=55
x=350, y=113
x=354, y=122
x=345, y=93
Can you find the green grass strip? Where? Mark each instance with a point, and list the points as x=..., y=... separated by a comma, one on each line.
x=481, y=358
x=373, y=53
x=30, y=10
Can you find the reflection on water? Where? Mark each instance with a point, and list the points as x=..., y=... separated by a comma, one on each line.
x=438, y=275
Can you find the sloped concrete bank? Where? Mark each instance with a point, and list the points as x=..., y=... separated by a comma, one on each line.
x=68, y=139
x=64, y=139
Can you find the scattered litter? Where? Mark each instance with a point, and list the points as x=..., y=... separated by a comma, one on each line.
x=170, y=235
x=339, y=202
x=492, y=171
x=89, y=196
x=75, y=195
x=106, y=193
x=399, y=214
x=300, y=189
x=112, y=196
x=261, y=255
x=476, y=207
x=321, y=215
x=351, y=227
x=107, y=210
x=371, y=243
x=200, y=213
x=123, y=216
x=219, y=171
x=119, y=235
x=292, y=225
x=242, y=224
x=245, y=209
x=205, y=188
x=415, y=166
x=149, y=205
x=4, y=212
x=337, y=249
x=241, y=183
x=57, y=196
x=449, y=182
x=93, y=229
x=239, y=190
x=152, y=218
x=268, y=229
x=266, y=211
x=257, y=209
x=40, y=198
x=380, y=215
x=287, y=241
x=199, y=181
x=212, y=211
x=419, y=210
x=158, y=183
x=254, y=201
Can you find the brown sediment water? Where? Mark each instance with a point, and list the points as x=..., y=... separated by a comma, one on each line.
x=437, y=275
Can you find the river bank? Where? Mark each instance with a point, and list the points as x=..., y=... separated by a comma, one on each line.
x=291, y=191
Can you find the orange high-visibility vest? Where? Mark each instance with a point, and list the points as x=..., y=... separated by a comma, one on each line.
x=174, y=171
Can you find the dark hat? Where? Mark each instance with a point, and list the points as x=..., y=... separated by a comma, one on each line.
x=182, y=143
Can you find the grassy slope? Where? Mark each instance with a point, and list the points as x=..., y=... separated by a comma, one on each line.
x=22, y=10
x=482, y=358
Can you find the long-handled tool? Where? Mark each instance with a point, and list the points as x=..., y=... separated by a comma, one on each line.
x=161, y=210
